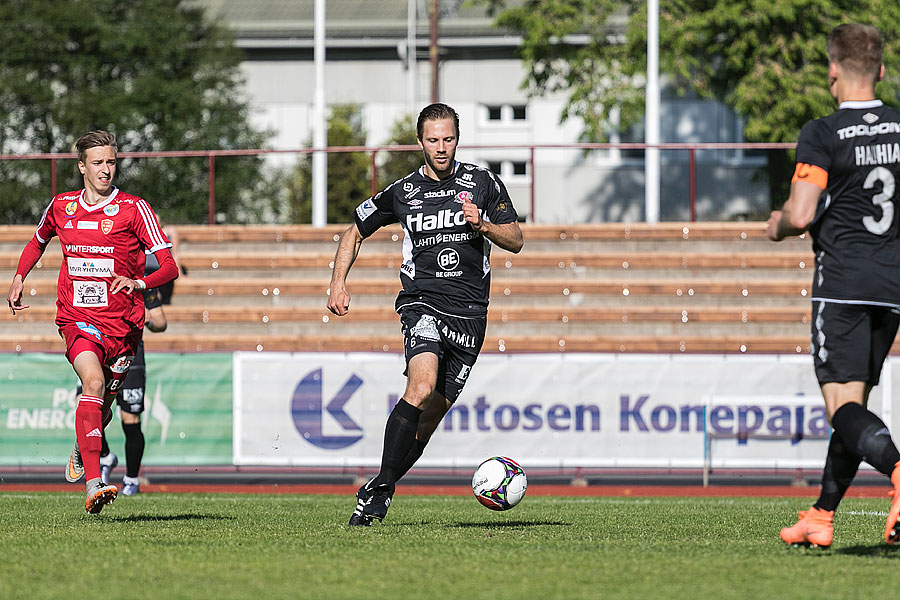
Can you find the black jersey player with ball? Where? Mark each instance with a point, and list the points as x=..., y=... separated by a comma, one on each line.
x=451, y=214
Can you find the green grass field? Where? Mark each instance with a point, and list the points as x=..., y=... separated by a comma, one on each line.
x=220, y=546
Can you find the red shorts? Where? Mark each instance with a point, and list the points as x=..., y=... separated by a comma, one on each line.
x=114, y=353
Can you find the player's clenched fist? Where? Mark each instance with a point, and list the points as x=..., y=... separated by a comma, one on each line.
x=472, y=214
x=338, y=301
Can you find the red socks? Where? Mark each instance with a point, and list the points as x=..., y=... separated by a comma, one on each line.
x=89, y=433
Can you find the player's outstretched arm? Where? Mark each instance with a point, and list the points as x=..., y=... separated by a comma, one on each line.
x=31, y=254
x=507, y=235
x=797, y=213
x=347, y=251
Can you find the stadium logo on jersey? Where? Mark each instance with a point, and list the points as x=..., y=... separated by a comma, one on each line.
x=366, y=209
x=122, y=364
x=443, y=219
x=89, y=293
x=869, y=118
x=89, y=329
x=440, y=193
x=106, y=225
x=463, y=197
x=88, y=224
x=448, y=259
x=93, y=267
x=111, y=210
x=306, y=411
x=71, y=207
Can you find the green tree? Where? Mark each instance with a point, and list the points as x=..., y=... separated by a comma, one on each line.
x=764, y=58
x=349, y=173
x=399, y=164
x=154, y=72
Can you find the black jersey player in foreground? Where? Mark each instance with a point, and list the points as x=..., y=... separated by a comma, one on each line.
x=450, y=213
x=844, y=192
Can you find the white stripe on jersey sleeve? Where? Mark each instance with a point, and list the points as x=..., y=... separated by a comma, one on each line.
x=150, y=222
x=41, y=224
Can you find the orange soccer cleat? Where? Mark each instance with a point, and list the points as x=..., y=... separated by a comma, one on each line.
x=98, y=496
x=815, y=528
x=892, y=529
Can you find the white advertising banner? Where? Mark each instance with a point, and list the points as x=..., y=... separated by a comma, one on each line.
x=566, y=410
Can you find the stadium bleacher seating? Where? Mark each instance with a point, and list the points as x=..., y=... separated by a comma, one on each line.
x=671, y=287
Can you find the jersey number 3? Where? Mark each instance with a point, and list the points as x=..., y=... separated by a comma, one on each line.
x=883, y=200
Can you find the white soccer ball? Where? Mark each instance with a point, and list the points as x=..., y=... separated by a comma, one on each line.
x=499, y=483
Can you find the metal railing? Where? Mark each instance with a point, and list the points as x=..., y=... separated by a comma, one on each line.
x=211, y=155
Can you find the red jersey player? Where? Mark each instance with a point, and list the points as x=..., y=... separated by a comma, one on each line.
x=103, y=233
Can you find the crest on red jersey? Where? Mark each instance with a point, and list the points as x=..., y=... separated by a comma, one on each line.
x=106, y=225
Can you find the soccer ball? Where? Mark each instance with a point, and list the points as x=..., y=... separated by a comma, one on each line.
x=499, y=483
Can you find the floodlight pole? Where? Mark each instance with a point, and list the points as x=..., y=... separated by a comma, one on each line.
x=651, y=116
x=411, y=55
x=434, y=53
x=320, y=135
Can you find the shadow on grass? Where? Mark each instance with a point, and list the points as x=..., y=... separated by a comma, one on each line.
x=159, y=518
x=879, y=550
x=505, y=524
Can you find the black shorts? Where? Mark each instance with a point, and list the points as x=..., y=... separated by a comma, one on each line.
x=851, y=341
x=131, y=396
x=456, y=340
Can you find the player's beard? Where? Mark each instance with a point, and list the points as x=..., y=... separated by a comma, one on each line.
x=451, y=160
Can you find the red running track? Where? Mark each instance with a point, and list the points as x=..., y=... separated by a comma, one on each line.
x=464, y=490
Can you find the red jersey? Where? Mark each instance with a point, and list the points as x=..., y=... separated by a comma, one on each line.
x=112, y=235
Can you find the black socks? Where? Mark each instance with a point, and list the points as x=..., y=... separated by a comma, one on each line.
x=414, y=454
x=840, y=467
x=134, y=448
x=867, y=436
x=399, y=440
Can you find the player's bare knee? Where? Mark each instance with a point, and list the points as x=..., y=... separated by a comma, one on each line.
x=93, y=386
x=418, y=394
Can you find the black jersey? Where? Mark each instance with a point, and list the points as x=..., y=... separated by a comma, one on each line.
x=445, y=262
x=854, y=154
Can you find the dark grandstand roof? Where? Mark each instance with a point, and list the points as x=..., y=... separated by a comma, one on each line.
x=345, y=19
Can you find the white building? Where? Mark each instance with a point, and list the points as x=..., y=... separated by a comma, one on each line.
x=480, y=76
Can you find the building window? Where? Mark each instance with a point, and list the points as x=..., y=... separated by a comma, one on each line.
x=506, y=113
x=519, y=167
x=494, y=166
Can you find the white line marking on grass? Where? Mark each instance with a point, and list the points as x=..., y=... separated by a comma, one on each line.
x=867, y=513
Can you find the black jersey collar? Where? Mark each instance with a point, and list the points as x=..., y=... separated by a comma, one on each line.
x=861, y=104
x=456, y=166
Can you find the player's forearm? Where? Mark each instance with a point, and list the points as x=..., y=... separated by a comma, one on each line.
x=508, y=235
x=347, y=251
x=31, y=254
x=168, y=270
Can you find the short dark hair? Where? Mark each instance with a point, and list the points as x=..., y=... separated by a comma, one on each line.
x=92, y=139
x=436, y=112
x=856, y=48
